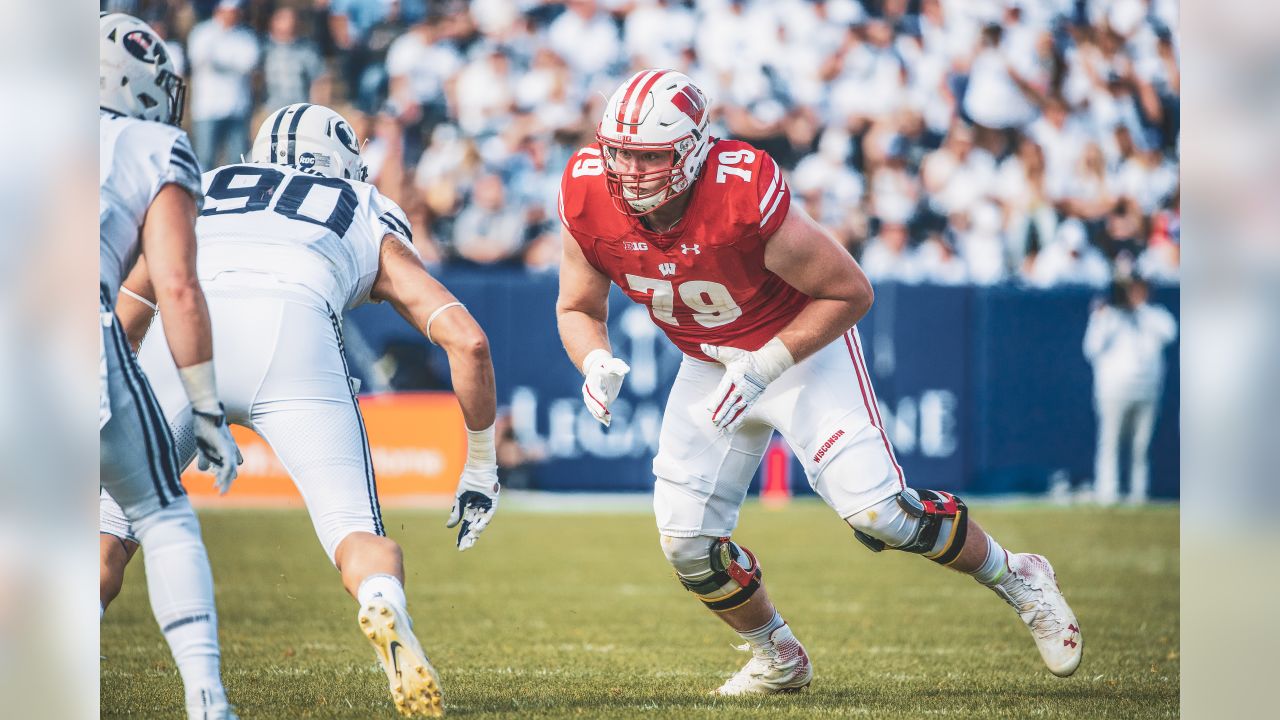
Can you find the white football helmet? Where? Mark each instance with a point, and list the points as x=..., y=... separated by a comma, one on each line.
x=136, y=77
x=654, y=110
x=312, y=138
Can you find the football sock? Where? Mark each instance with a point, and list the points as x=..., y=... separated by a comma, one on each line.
x=181, y=588
x=996, y=566
x=384, y=586
x=760, y=636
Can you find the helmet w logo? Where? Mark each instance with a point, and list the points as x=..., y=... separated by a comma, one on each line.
x=691, y=102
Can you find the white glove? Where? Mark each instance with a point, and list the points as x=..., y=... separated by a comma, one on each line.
x=477, y=496
x=746, y=376
x=214, y=444
x=604, y=375
x=474, y=503
x=215, y=447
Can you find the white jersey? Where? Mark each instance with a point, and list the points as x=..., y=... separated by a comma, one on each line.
x=319, y=233
x=136, y=159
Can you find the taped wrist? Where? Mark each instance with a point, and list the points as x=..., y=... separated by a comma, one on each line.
x=202, y=388
x=773, y=359
x=482, y=447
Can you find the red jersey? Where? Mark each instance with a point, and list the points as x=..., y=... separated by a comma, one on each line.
x=704, y=281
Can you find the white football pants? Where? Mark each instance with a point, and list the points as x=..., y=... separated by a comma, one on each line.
x=281, y=373
x=824, y=408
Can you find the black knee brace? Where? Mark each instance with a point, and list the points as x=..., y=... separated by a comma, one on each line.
x=932, y=508
x=727, y=568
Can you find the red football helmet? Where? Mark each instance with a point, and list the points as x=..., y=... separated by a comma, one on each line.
x=655, y=110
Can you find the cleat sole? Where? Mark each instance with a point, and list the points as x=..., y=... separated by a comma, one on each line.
x=414, y=685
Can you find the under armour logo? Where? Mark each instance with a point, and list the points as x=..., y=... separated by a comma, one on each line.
x=686, y=249
x=1070, y=641
x=667, y=269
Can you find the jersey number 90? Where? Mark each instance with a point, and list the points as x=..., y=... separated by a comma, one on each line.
x=319, y=200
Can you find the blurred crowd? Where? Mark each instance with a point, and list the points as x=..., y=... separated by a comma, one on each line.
x=941, y=141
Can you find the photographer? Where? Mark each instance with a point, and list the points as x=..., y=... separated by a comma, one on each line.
x=1125, y=342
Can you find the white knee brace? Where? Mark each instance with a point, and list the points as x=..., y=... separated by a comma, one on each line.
x=721, y=573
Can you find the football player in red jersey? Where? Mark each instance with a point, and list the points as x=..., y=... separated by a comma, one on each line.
x=763, y=302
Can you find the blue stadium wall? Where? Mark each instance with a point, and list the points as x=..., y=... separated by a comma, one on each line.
x=983, y=390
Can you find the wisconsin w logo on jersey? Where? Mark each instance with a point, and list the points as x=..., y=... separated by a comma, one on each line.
x=667, y=269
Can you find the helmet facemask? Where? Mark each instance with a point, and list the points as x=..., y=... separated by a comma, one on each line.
x=175, y=91
x=640, y=193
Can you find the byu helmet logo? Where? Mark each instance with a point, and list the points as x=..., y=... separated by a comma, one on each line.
x=142, y=45
x=346, y=136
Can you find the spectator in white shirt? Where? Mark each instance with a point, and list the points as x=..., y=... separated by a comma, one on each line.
x=887, y=257
x=489, y=231
x=958, y=175
x=292, y=67
x=1148, y=177
x=938, y=262
x=1030, y=218
x=420, y=65
x=1062, y=140
x=1125, y=341
x=982, y=244
x=1070, y=260
x=587, y=39
x=993, y=99
x=657, y=32
x=223, y=56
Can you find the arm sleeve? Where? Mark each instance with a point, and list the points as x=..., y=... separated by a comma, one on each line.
x=773, y=194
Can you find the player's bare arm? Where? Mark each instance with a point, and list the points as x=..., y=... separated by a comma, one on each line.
x=406, y=284
x=169, y=244
x=582, y=311
x=437, y=314
x=136, y=304
x=805, y=255
x=582, y=308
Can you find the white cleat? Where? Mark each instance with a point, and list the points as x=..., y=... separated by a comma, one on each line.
x=1031, y=588
x=210, y=704
x=782, y=666
x=415, y=686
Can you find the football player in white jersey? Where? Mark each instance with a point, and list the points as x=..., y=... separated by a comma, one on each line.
x=287, y=243
x=149, y=194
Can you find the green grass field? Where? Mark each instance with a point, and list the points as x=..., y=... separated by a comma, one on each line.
x=578, y=615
